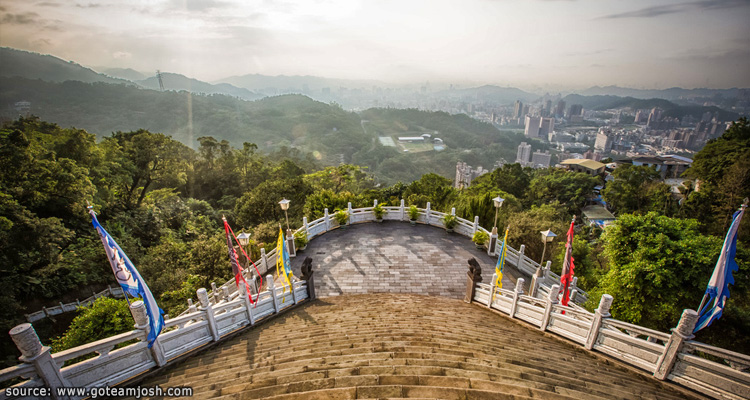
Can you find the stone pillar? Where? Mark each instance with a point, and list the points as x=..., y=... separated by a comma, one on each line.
x=375, y=202
x=306, y=225
x=272, y=289
x=476, y=225
x=453, y=211
x=290, y=243
x=326, y=219
x=349, y=210
x=536, y=280
x=427, y=214
x=493, y=287
x=206, y=307
x=573, y=294
x=191, y=307
x=492, y=248
x=547, y=269
x=138, y=310
x=551, y=301
x=602, y=312
x=516, y=294
x=403, y=213
x=246, y=301
x=307, y=276
x=225, y=294
x=473, y=276
x=33, y=352
x=521, y=250
x=682, y=333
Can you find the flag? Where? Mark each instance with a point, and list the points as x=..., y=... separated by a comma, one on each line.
x=130, y=280
x=718, y=286
x=282, y=258
x=566, y=276
x=234, y=259
x=500, y=265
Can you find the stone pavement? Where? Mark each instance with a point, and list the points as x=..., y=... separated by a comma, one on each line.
x=395, y=257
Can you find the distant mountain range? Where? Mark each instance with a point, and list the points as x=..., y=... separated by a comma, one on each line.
x=181, y=82
x=668, y=94
x=491, y=93
x=295, y=83
x=606, y=102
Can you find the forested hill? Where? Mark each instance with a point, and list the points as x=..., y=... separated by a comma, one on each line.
x=329, y=133
x=605, y=102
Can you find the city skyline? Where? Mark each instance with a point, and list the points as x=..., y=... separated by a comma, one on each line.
x=532, y=44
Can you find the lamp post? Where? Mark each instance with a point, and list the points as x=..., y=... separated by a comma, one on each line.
x=285, y=206
x=493, y=236
x=547, y=237
x=290, y=240
x=244, y=239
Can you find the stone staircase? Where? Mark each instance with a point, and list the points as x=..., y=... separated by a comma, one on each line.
x=404, y=346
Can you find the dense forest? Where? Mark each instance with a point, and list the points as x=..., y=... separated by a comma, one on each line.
x=163, y=202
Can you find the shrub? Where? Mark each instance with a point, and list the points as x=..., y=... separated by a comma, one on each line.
x=413, y=212
x=480, y=237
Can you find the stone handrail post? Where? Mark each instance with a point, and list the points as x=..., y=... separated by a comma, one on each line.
x=573, y=294
x=307, y=227
x=307, y=276
x=191, y=307
x=516, y=294
x=427, y=214
x=206, y=307
x=216, y=295
x=536, y=280
x=375, y=202
x=272, y=289
x=403, y=212
x=453, y=211
x=492, y=247
x=599, y=314
x=138, y=310
x=521, y=250
x=38, y=355
x=246, y=301
x=682, y=333
x=551, y=301
x=290, y=243
x=326, y=219
x=547, y=269
x=493, y=287
x=476, y=225
x=349, y=210
x=225, y=294
x=473, y=276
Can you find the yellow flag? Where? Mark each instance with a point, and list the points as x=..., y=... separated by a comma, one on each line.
x=500, y=265
x=282, y=259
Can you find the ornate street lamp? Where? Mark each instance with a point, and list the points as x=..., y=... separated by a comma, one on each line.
x=285, y=206
x=244, y=239
x=547, y=237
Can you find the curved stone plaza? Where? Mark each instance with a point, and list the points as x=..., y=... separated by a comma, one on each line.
x=395, y=257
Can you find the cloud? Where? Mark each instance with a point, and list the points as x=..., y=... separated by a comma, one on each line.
x=122, y=55
x=655, y=11
x=196, y=5
x=48, y=4
x=90, y=5
x=588, y=53
x=20, y=19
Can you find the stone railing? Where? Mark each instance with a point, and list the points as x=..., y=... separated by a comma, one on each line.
x=674, y=357
x=524, y=264
x=63, y=308
x=116, y=359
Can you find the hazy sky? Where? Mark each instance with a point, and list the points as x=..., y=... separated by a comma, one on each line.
x=525, y=43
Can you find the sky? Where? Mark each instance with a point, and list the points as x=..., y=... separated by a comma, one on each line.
x=650, y=44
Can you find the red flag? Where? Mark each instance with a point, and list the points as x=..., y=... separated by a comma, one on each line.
x=566, y=276
x=234, y=259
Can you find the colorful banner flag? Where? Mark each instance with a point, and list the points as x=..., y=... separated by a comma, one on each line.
x=130, y=280
x=282, y=258
x=566, y=276
x=500, y=265
x=717, y=290
x=234, y=259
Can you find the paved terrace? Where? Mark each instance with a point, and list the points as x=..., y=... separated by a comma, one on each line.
x=395, y=257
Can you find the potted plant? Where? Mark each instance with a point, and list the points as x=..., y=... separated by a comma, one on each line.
x=480, y=238
x=413, y=214
x=378, y=211
x=450, y=222
x=300, y=240
x=341, y=216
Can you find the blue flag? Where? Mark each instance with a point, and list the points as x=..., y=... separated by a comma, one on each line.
x=130, y=280
x=718, y=286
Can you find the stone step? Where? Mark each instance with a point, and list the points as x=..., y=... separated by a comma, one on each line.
x=404, y=346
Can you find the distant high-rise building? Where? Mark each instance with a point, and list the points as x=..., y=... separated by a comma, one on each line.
x=546, y=126
x=524, y=154
x=575, y=110
x=560, y=109
x=518, y=109
x=548, y=107
x=525, y=111
x=465, y=174
x=532, y=126
x=604, y=141
x=541, y=160
x=654, y=117
x=641, y=116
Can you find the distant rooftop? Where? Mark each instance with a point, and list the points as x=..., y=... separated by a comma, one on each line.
x=590, y=164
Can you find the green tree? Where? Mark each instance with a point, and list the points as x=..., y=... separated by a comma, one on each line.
x=570, y=189
x=637, y=189
x=658, y=267
x=106, y=317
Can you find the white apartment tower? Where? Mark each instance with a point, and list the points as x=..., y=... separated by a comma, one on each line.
x=524, y=154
